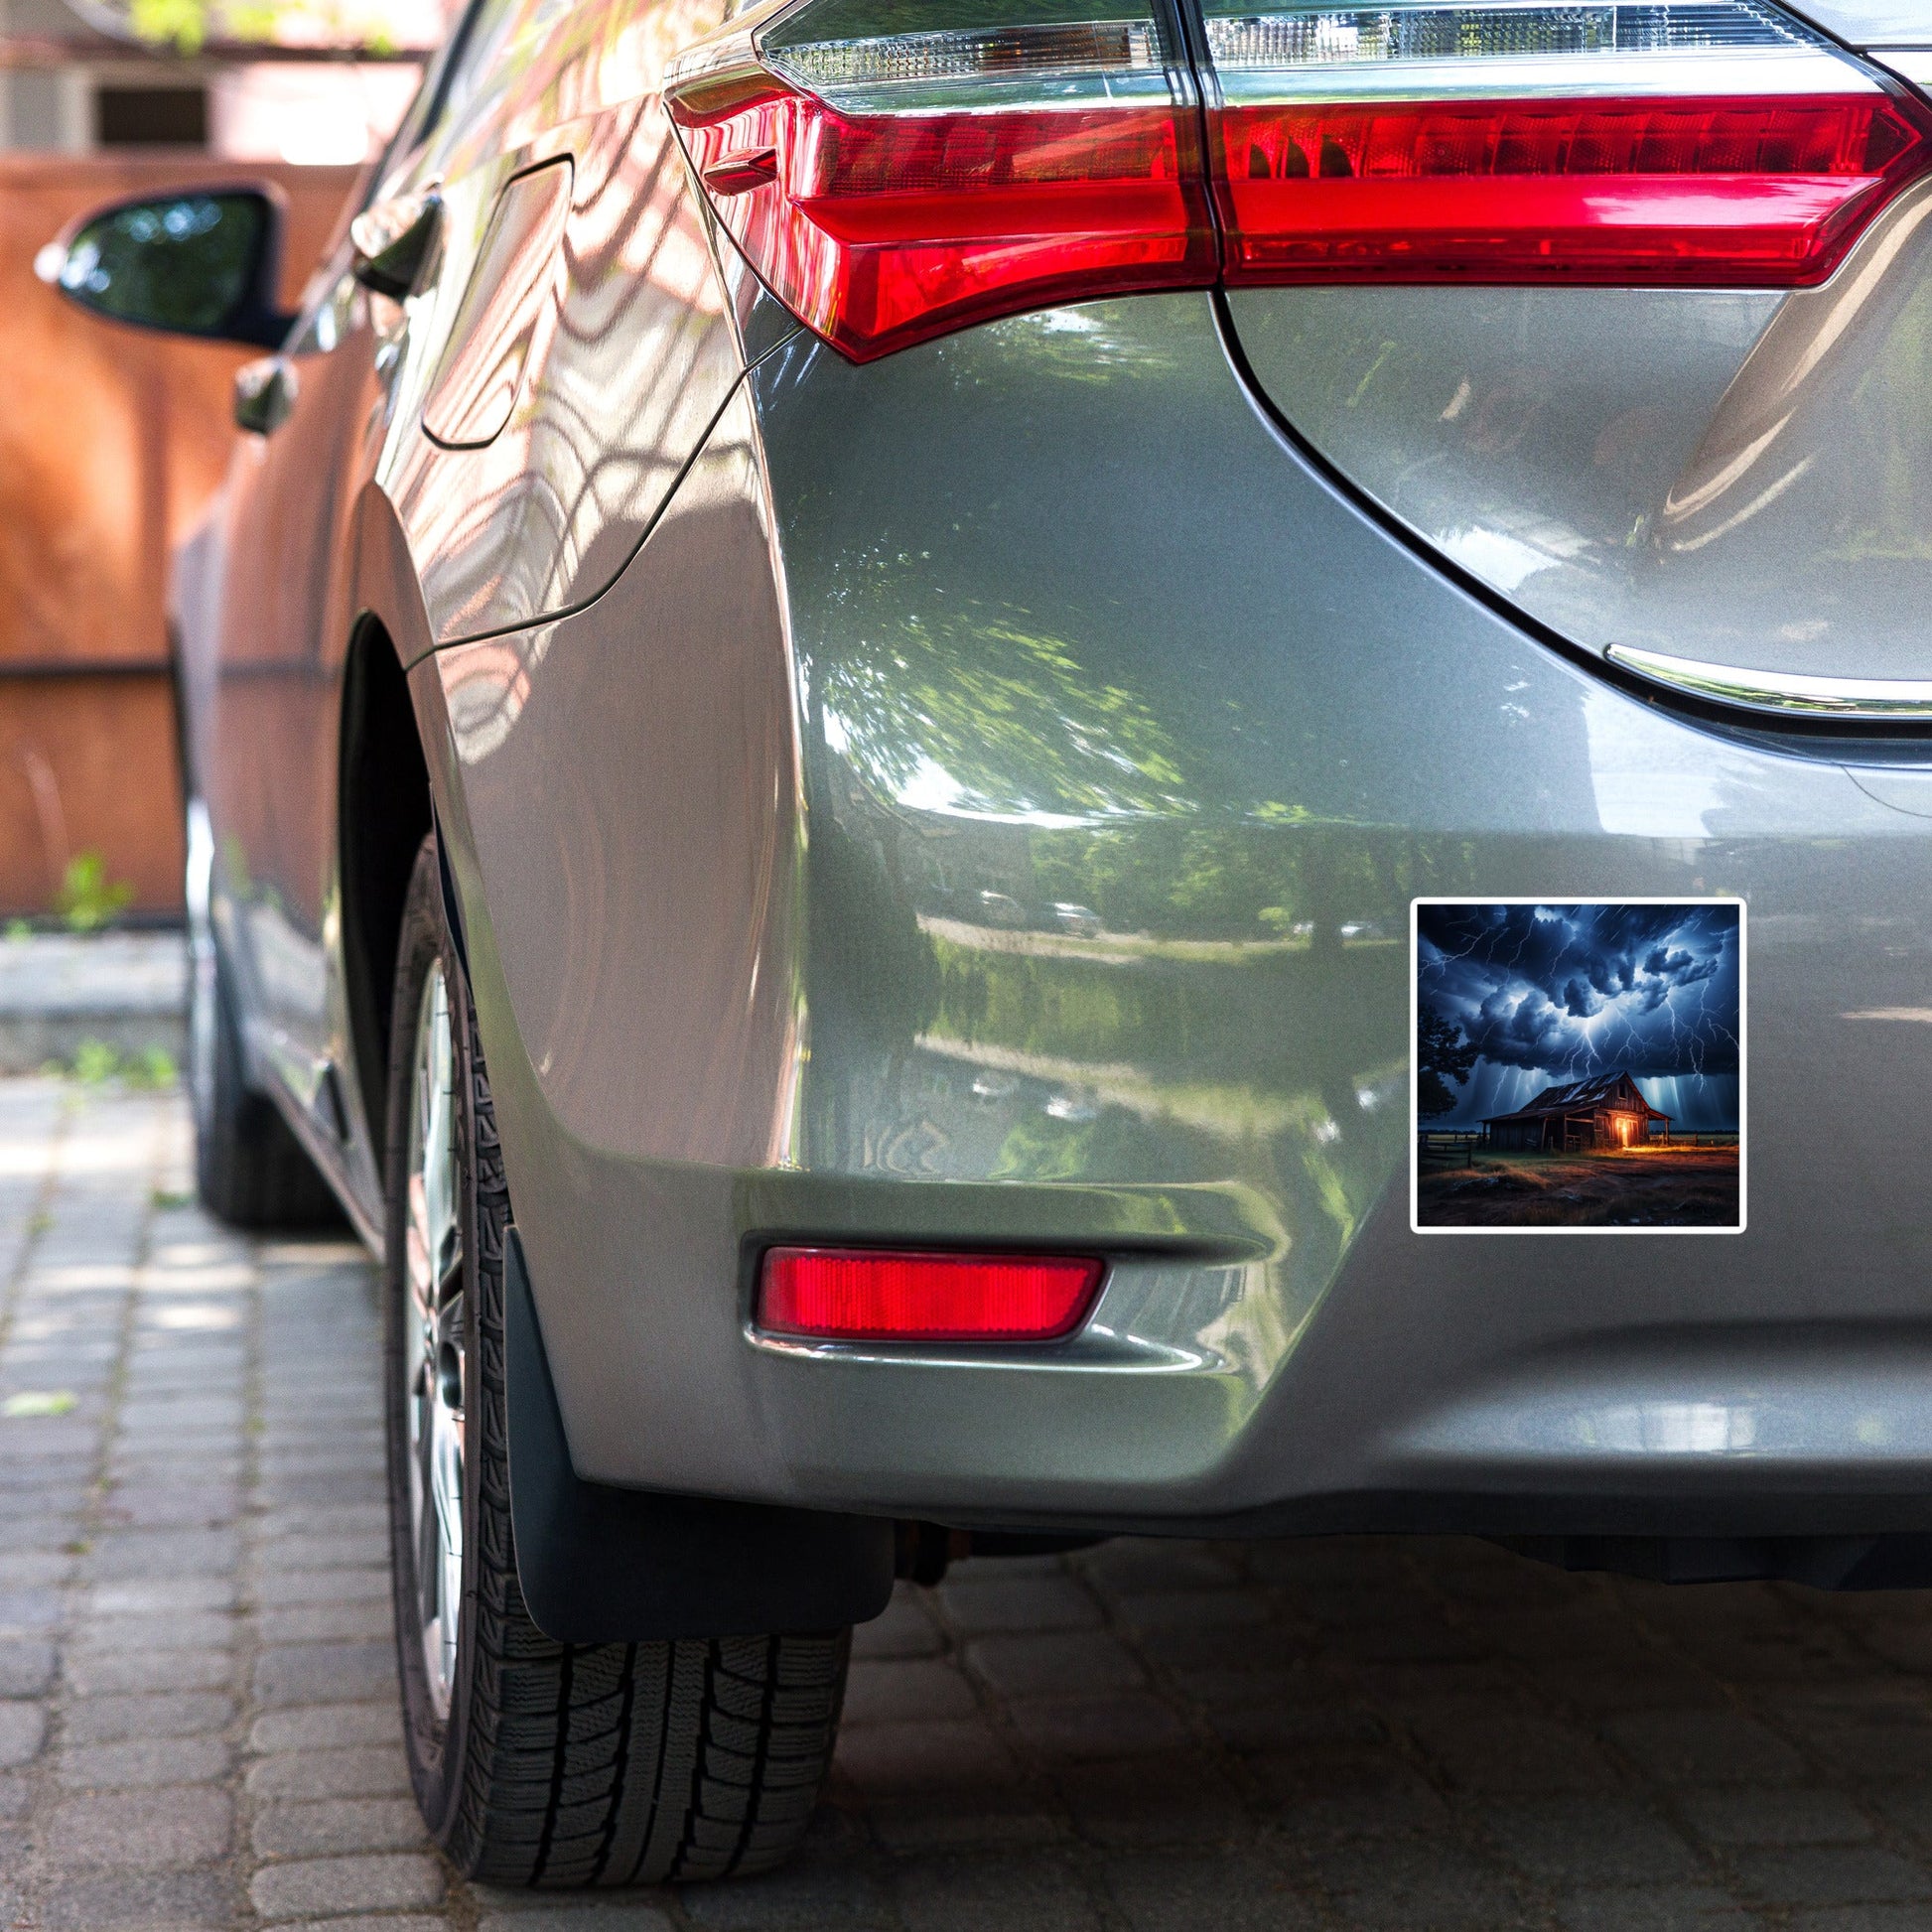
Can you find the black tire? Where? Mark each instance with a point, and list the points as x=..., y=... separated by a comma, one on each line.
x=249, y=1169
x=560, y=1764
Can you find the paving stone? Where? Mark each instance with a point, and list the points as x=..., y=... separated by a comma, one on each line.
x=360, y=1487
x=1776, y=1817
x=337, y=1434
x=1488, y=1746
x=1705, y=1747
x=949, y=1822
x=351, y=1519
x=1433, y=1884
x=325, y=1673
x=96, y=1672
x=1194, y=1609
x=1883, y=1748
x=326, y=1726
x=23, y=1730
x=1374, y=1640
x=1571, y=1841
x=26, y=1666
x=1663, y=1908
x=152, y=1595
x=367, y=1771
x=150, y=1506
x=316, y=1888
x=1181, y=1803
x=336, y=1825
x=1371, y=1793
x=46, y=1533
x=923, y=1756
x=333, y=1463
x=1055, y=1664
x=370, y=1922
x=1232, y=1893
x=322, y=1587
x=1039, y=1892
x=574, y=1915
x=908, y=1691
x=312, y=1552
x=1128, y=1724
x=180, y=1418
x=989, y=1602
x=36, y=1568
x=1860, y=1918
x=1285, y=1725
x=1905, y=1805
x=148, y=1831
x=368, y=1620
x=1214, y=1646
x=159, y=1629
x=804, y=1897
x=170, y=1901
x=1826, y=1874
x=184, y=1713
x=29, y=1610
x=164, y=1553
x=147, y=1761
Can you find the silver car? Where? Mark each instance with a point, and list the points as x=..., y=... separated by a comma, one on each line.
x=920, y=730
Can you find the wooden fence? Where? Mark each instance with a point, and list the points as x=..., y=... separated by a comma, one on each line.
x=1449, y=1147
x=110, y=443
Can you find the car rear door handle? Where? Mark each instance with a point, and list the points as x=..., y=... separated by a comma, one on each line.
x=391, y=242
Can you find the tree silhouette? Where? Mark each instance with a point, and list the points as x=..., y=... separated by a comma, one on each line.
x=1442, y=1055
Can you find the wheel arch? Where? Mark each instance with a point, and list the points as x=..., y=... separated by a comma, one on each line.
x=384, y=811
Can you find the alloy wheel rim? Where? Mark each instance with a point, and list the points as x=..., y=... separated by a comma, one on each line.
x=432, y=1398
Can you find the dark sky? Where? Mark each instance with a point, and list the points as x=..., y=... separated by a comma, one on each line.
x=1551, y=992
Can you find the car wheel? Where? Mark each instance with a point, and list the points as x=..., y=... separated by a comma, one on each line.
x=249, y=1169
x=534, y=1762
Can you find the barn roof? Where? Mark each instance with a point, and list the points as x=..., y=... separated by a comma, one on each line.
x=1581, y=1097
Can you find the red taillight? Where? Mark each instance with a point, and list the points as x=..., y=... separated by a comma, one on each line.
x=864, y=1294
x=879, y=231
x=1737, y=192
x=890, y=185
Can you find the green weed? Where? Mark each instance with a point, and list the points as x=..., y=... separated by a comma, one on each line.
x=96, y=1062
x=88, y=899
x=38, y=1402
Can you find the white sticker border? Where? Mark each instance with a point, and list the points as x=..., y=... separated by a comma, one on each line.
x=1416, y=1225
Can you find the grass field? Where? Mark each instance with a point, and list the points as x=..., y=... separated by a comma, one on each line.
x=1654, y=1186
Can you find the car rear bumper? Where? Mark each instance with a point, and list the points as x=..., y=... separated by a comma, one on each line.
x=987, y=810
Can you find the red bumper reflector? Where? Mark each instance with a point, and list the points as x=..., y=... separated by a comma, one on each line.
x=864, y=1294
x=1731, y=191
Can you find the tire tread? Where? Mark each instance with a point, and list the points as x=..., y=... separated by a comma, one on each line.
x=606, y=1764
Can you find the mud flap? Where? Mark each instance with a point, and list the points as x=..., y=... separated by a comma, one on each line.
x=602, y=1565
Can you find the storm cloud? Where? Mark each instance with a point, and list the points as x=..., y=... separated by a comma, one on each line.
x=1569, y=989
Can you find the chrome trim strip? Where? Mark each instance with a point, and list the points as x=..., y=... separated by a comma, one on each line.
x=1781, y=692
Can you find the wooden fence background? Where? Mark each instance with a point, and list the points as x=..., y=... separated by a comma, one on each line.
x=110, y=443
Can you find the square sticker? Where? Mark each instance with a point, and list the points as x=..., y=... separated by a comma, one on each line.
x=1579, y=1066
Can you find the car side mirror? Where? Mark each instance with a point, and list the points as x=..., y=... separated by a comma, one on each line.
x=264, y=393
x=199, y=263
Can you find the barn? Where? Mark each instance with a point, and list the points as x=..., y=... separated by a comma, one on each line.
x=1607, y=1110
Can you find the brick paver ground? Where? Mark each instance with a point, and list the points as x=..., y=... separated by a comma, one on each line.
x=197, y=1701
